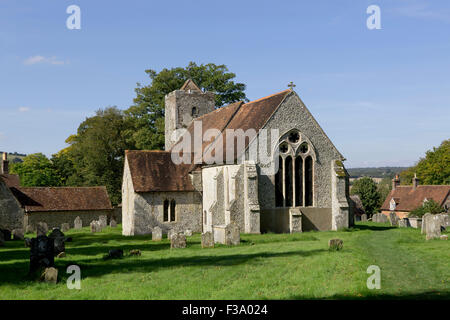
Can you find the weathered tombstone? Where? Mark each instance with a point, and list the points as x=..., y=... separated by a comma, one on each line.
x=393, y=219
x=103, y=221
x=78, y=223
x=6, y=234
x=59, y=241
x=375, y=217
x=113, y=223
x=50, y=275
x=170, y=233
x=382, y=218
x=41, y=229
x=29, y=229
x=41, y=253
x=295, y=220
x=207, y=240
x=335, y=244
x=444, y=237
x=65, y=227
x=424, y=223
x=364, y=217
x=95, y=226
x=178, y=240
x=402, y=223
x=156, y=234
x=433, y=227
x=444, y=218
x=17, y=234
x=232, y=234
x=188, y=233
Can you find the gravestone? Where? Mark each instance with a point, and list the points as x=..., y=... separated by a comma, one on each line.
x=444, y=237
x=29, y=229
x=402, y=223
x=232, y=234
x=2, y=240
x=41, y=229
x=41, y=253
x=295, y=220
x=65, y=227
x=188, y=233
x=6, y=234
x=59, y=241
x=424, y=223
x=27, y=242
x=364, y=217
x=393, y=219
x=335, y=244
x=178, y=240
x=17, y=234
x=433, y=227
x=207, y=240
x=61, y=255
x=382, y=218
x=114, y=254
x=113, y=223
x=103, y=221
x=156, y=234
x=444, y=220
x=50, y=275
x=170, y=233
x=95, y=226
x=78, y=223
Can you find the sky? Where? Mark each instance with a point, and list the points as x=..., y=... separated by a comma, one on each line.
x=381, y=95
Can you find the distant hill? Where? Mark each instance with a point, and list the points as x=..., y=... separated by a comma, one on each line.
x=381, y=172
x=14, y=157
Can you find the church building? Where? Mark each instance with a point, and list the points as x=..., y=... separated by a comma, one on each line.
x=299, y=184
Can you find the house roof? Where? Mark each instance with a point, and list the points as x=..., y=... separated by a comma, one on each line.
x=155, y=171
x=408, y=199
x=38, y=199
x=11, y=180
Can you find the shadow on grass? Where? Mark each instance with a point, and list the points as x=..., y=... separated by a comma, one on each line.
x=98, y=267
x=426, y=295
x=363, y=227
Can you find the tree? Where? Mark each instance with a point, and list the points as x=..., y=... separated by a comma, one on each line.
x=367, y=191
x=434, y=169
x=429, y=206
x=146, y=115
x=36, y=170
x=384, y=187
x=97, y=152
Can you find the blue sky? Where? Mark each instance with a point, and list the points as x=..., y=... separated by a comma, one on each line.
x=382, y=96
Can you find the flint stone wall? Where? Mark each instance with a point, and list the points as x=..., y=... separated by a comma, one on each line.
x=57, y=218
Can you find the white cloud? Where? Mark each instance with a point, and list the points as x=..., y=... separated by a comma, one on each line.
x=24, y=109
x=41, y=59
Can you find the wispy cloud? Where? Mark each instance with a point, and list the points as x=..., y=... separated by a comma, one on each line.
x=41, y=59
x=24, y=109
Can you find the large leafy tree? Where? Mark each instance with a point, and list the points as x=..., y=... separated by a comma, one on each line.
x=367, y=191
x=434, y=169
x=37, y=170
x=146, y=115
x=97, y=152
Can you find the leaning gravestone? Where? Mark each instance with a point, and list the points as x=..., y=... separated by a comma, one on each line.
x=95, y=227
x=156, y=234
x=41, y=229
x=424, y=223
x=41, y=253
x=78, y=223
x=103, y=221
x=207, y=240
x=113, y=223
x=65, y=227
x=433, y=227
x=232, y=235
x=18, y=234
x=363, y=217
x=393, y=219
x=178, y=240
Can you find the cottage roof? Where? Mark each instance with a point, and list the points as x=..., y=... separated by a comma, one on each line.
x=38, y=199
x=11, y=180
x=407, y=198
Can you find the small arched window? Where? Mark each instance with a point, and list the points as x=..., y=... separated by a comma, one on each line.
x=166, y=211
x=172, y=211
x=194, y=112
x=279, y=184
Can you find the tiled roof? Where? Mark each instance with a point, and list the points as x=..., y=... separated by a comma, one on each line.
x=155, y=171
x=408, y=199
x=11, y=180
x=38, y=199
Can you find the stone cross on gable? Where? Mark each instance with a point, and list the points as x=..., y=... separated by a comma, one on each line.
x=291, y=85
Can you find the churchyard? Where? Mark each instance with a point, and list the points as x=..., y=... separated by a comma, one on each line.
x=267, y=266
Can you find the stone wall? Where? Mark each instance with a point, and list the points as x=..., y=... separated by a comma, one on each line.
x=11, y=213
x=54, y=219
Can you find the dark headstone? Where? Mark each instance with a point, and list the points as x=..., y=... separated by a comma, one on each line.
x=6, y=234
x=56, y=233
x=41, y=253
x=59, y=240
x=114, y=254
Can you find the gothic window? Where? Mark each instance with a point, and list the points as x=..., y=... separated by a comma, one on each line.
x=172, y=210
x=279, y=184
x=308, y=181
x=194, y=112
x=298, y=181
x=166, y=211
x=284, y=147
x=288, y=181
x=304, y=147
x=294, y=137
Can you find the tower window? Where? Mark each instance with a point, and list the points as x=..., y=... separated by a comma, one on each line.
x=194, y=112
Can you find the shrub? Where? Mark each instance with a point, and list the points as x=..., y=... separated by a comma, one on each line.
x=429, y=206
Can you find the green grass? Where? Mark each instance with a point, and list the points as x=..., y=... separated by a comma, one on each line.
x=269, y=266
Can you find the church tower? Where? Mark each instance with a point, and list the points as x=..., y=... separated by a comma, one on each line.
x=184, y=105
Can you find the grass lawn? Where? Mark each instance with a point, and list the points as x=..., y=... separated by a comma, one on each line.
x=269, y=266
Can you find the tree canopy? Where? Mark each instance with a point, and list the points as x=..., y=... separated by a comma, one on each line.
x=37, y=170
x=367, y=191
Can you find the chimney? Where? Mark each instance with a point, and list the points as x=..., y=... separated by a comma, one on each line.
x=395, y=182
x=415, y=182
x=5, y=162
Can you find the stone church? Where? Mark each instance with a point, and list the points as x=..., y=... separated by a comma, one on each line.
x=307, y=190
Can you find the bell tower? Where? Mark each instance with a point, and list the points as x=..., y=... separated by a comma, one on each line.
x=182, y=107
